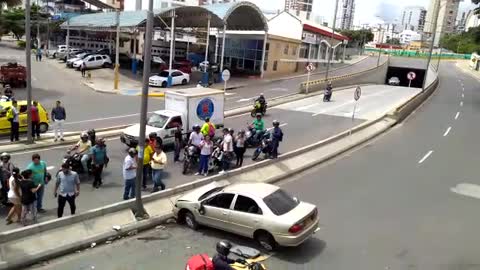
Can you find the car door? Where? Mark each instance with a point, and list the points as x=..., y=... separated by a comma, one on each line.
x=176, y=78
x=246, y=216
x=98, y=61
x=217, y=211
x=170, y=129
x=4, y=123
x=90, y=62
x=22, y=117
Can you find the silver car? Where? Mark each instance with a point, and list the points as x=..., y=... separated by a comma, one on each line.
x=394, y=81
x=260, y=211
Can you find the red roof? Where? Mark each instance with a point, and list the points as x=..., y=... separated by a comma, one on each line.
x=327, y=33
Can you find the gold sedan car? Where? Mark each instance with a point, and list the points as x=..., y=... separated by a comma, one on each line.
x=260, y=211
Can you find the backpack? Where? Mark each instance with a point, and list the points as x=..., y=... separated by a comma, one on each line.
x=10, y=114
x=199, y=262
x=211, y=130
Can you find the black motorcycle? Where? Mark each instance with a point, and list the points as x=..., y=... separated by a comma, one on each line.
x=191, y=158
x=258, y=108
x=75, y=162
x=251, y=137
x=265, y=147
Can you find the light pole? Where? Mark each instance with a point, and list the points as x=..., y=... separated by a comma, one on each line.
x=28, y=60
x=117, y=48
x=140, y=212
x=331, y=39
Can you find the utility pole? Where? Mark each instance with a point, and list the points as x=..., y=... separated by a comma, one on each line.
x=140, y=212
x=380, y=49
x=331, y=39
x=117, y=48
x=431, y=44
x=28, y=60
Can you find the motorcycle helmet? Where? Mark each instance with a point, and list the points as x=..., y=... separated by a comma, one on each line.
x=132, y=151
x=196, y=127
x=241, y=131
x=207, y=119
x=276, y=123
x=223, y=247
x=84, y=135
x=5, y=155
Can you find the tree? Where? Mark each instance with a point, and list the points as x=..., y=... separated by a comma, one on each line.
x=358, y=38
x=13, y=21
x=393, y=41
x=467, y=42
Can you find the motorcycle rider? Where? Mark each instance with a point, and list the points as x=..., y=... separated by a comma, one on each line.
x=83, y=149
x=277, y=137
x=258, y=126
x=262, y=101
x=196, y=137
x=221, y=260
x=6, y=171
x=8, y=93
x=328, y=92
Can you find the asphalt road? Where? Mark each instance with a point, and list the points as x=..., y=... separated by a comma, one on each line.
x=87, y=109
x=388, y=205
x=301, y=122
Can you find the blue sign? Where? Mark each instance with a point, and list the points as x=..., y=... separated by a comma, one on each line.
x=205, y=108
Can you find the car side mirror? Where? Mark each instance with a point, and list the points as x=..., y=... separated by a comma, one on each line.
x=200, y=208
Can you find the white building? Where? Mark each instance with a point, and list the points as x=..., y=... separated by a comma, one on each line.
x=300, y=8
x=347, y=14
x=384, y=32
x=407, y=36
x=413, y=18
x=130, y=5
x=471, y=20
x=447, y=16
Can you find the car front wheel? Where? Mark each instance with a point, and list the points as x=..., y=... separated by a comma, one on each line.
x=43, y=127
x=190, y=221
x=184, y=81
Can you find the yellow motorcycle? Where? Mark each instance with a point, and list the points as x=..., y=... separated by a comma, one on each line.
x=251, y=264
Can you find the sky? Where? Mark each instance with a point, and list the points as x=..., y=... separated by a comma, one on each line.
x=366, y=11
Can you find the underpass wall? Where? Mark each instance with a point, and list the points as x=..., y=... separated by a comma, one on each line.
x=376, y=75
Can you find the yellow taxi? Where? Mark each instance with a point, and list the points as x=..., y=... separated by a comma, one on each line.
x=22, y=109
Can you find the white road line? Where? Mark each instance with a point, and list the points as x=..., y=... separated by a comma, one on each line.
x=54, y=147
x=230, y=93
x=307, y=106
x=463, y=88
x=277, y=90
x=457, y=115
x=425, y=157
x=447, y=131
x=245, y=99
x=467, y=189
x=463, y=95
x=101, y=119
x=49, y=168
x=461, y=103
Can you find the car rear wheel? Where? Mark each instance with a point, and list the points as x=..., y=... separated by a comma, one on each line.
x=43, y=127
x=190, y=221
x=266, y=241
x=184, y=81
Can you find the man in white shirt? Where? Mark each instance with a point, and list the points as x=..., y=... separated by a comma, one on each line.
x=227, y=146
x=130, y=174
x=14, y=122
x=196, y=137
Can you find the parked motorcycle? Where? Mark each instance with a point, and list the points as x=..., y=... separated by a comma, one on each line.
x=251, y=138
x=265, y=147
x=257, y=108
x=191, y=158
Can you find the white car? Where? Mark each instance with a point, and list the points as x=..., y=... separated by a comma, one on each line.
x=394, y=81
x=94, y=61
x=260, y=211
x=160, y=79
x=78, y=57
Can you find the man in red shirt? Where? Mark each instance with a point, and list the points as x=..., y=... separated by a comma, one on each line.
x=35, y=120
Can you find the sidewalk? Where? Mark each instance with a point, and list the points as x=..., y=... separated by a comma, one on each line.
x=102, y=80
x=463, y=65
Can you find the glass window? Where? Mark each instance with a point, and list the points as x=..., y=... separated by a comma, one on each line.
x=280, y=202
x=175, y=122
x=176, y=74
x=223, y=200
x=247, y=205
x=163, y=74
x=157, y=120
x=275, y=63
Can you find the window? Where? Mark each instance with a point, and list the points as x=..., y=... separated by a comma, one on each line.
x=275, y=63
x=285, y=51
x=176, y=74
x=223, y=200
x=163, y=74
x=157, y=120
x=294, y=50
x=280, y=202
x=175, y=122
x=247, y=205
x=23, y=108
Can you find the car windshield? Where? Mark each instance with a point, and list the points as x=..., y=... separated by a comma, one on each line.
x=163, y=74
x=210, y=192
x=157, y=120
x=280, y=202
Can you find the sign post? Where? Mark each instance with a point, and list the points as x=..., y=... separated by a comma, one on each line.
x=356, y=96
x=225, y=78
x=310, y=67
x=411, y=76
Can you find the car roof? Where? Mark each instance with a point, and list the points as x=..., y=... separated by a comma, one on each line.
x=260, y=190
x=19, y=102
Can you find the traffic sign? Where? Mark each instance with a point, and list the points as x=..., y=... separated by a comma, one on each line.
x=310, y=67
x=411, y=75
x=358, y=93
x=226, y=75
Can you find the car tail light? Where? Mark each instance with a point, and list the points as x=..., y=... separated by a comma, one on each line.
x=295, y=228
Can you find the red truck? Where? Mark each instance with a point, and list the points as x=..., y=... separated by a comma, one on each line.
x=13, y=74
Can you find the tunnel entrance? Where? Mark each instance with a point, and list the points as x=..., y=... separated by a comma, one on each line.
x=401, y=74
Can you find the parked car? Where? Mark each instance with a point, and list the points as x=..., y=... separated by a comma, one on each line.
x=260, y=211
x=183, y=66
x=53, y=53
x=161, y=78
x=22, y=106
x=94, y=61
x=394, y=81
x=77, y=57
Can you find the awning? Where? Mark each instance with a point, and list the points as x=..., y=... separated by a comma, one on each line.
x=99, y=4
x=240, y=16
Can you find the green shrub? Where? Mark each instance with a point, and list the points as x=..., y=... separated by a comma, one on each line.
x=21, y=44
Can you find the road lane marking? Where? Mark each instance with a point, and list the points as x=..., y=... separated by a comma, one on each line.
x=463, y=95
x=457, y=115
x=229, y=94
x=49, y=168
x=463, y=88
x=307, y=106
x=245, y=99
x=55, y=147
x=277, y=90
x=467, y=189
x=104, y=118
x=425, y=157
x=461, y=103
x=447, y=131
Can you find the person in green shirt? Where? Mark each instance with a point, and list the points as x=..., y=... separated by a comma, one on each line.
x=259, y=126
x=147, y=157
x=39, y=171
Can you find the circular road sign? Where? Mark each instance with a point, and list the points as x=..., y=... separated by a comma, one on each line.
x=226, y=75
x=358, y=93
x=411, y=75
x=310, y=67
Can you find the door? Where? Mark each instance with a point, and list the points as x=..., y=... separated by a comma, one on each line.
x=217, y=211
x=177, y=78
x=170, y=129
x=98, y=61
x=246, y=216
x=4, y=123
x=22, y=117
x=90, y=62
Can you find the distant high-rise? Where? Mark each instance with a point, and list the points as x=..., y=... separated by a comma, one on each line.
x=447, y=16
x=301, y=8
x=347, y=14
x=413, y=18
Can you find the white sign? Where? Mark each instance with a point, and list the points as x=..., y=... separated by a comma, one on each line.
x=358, y=93
x=411, y=75
x=310, y=67
x=226, y=75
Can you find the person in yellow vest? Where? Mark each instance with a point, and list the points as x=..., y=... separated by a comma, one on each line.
x=12, y=117
x=147, y=157
x=208, y=128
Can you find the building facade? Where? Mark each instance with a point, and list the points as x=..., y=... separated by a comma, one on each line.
x=130, y=5
x=413, y=18
x=407, y=36
x=300, y=8
x=447, y=16
x=347, y=14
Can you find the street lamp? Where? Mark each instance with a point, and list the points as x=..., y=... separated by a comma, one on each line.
x=331, y=39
